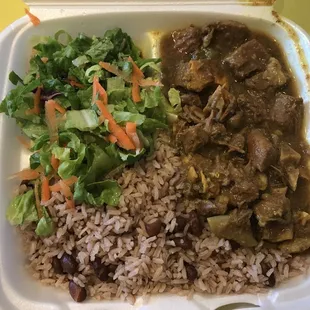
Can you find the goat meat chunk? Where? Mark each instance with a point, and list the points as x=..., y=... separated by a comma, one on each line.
x=187, y=40
x=235, y=226
x=191, y=99
x=192, y=114
x=273, y=76
x=245, y=189
x=278, y=232
x=261, y=152
x=292, y=175
x=211, y=208
x=301, y=241
x=236, y=143
x=192, y=138
x=195, y=75
x=275, y=207
x=225, y=36
x=288, y=156
x=248, y=58
x=254, y=108
x=286, y=111
x=222, y=103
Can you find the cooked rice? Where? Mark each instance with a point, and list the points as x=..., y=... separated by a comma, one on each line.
x=151, y=189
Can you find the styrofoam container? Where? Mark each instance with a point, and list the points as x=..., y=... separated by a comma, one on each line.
x=17, y=289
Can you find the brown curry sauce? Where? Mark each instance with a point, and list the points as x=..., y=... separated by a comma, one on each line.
x=267, y=133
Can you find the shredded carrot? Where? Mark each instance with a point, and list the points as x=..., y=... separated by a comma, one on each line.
x=37, y=98
x=97, y=88
x=137, y=78
x=44, y=59
x=36, y=103
x=57, y=188
x=135, y=90
x=137, y=75
x=76, y=84
x=26, y=174
x=101, y=120
x=141, y=81
x=136, y=70
x=58, y=107
x=35, y=20
x=102, y=93
x=122, y=139
x=24, y=141
x=131, y=131
x=101, y=107
x=65, y=189
x=112, y=139
x=104, y=111
x=70, y=203
x=50, y=107
x=51, y=120
x=45, y=190
x=55, y=162
x=37, y=199
x=113, y=69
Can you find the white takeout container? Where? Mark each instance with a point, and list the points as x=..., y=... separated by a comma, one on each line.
x=17, y=289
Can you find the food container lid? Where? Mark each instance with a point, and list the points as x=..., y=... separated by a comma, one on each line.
x=150, y=2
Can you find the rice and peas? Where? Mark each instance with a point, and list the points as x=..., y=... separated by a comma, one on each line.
x=146, y=265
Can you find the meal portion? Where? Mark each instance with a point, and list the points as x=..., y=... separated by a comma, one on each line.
x=241, y=132
x=87, y=109
x=183, y=174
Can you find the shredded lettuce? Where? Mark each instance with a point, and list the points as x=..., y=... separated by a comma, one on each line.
x=99, y=193
x=15, y=78
x=153, y=65
x=69, y=167
x=22, y=209
x=93, y=71
x=123, y=117
x=83, y=120
x=115, y=83
x=61, y=153
x=131, y=157
x=34, y=131
x=45, y=159
x=35, y=160
x=40, y=142
x=100, y=161
x=65, y=68
x=99, y=49
x=175, y=99
x=85, y=97
x=18, y=98
x=150, y=125
x=45, y=226
x=80, y=61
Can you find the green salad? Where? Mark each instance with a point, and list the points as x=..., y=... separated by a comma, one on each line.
x=86, y=107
